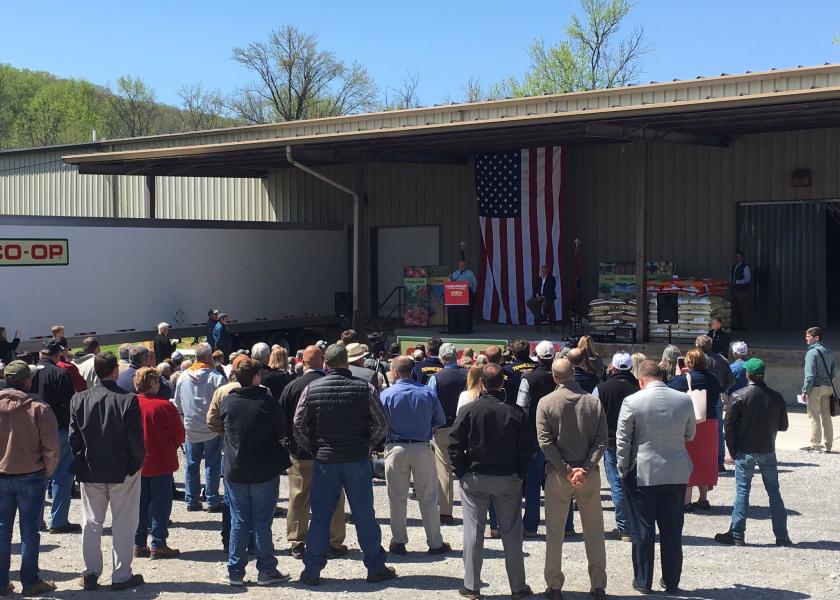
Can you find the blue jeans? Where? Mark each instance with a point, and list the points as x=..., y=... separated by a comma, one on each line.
x=721, y=440
x=251, y=509
x=744, y=471
x=533, y=486
x=155, y=505
x=357, y=480
x=617, y=491
x=211, y=452
x=23, y=493
x=62, y=483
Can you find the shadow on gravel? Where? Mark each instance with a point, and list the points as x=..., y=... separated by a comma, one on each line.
x=739, y=592
x=821, y=545
x=797, y=464
x=215, y=525
x=215, y=556
x=410, y=582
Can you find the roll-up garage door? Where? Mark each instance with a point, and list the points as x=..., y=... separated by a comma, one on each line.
x=398, y=247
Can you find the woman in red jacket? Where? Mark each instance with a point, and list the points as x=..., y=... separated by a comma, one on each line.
x=163, y=434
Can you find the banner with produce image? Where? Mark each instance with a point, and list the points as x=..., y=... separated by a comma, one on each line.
x=416, y=284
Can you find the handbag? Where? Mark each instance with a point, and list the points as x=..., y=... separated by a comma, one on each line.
x=833, y=402
x=698, y=399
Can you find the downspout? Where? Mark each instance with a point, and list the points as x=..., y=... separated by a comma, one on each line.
x=356, y=228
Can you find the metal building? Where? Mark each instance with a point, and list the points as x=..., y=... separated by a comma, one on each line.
x=684, y=171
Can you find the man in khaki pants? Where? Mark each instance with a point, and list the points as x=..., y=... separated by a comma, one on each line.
x=300, y=473
x=820, y=370
x=572, y=433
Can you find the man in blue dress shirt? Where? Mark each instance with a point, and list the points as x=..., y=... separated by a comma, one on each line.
x=414, y=412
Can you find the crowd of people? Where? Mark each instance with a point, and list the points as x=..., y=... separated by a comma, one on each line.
x=511, y=425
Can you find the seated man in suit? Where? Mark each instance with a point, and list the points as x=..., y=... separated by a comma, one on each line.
x=545, y=293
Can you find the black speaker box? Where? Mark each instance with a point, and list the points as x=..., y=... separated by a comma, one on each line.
x=667, y=309
x=343, y=304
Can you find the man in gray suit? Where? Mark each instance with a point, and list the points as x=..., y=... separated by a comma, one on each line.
x=653, y=426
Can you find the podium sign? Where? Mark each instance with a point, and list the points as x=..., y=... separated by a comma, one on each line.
x=456, y=293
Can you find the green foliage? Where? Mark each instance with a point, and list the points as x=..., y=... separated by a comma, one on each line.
x=590, y=57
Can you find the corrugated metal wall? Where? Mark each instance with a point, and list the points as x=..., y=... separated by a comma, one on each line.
x=39, y=183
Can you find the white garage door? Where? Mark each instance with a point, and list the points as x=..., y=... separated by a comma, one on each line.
x=398, y=247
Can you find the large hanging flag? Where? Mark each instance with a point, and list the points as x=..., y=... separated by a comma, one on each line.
x=521, y=217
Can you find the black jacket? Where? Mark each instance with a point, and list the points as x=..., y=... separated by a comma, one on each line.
x=425, y=369
x=449, y=383
x=540, y=384
x=163, y=348
x=8, y=350
x=288, y=404
x=612, y=393
x=700, y=380
x=54, y=386
x=254, y=433
x=106, y=434
x=753, y=418
x=721, y=341
x=275, y=380
x=550, y=288
x=490, y=437
x=585, y=380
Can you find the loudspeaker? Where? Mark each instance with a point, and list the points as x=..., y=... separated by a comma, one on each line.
x=667, y=309
x=343, y=305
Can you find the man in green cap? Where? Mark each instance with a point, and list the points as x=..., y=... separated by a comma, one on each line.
x=755, y=415
x=29, y=452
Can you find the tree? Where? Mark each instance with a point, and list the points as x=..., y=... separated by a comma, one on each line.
x=405, y=95
x=474, y=91
x=200, y=108
x=134, y=111
x=297, y=80
x=591, y=56
x=61, y=112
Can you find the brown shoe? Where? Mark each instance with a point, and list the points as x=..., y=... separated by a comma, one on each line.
x=599, y=594
x=553, y=594
x=142, y=552
x=39, y=588
x=494, y=533
x=164, y=552
x=131, y=582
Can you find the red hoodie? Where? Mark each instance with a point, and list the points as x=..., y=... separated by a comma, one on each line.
x=79, y=383
x=163, y=434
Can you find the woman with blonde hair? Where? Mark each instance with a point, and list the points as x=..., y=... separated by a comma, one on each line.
x=703, y=449
x=637, y=358
x=668, y=364
x=593, y=363
x=276, y=376
x=473, y=388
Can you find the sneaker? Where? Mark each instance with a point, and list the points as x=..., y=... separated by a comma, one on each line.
x=523, y=593
x=68, y=528
x=298, y=550
x=89, y=582
x=337, y=552
x=272, y=577
x=234, y=580
x=131, y=582
x=39, y=588
x=142, y=552
x=468, y=593
x=444, y=548
x=397, y=548
x=728, y=539
x=785, y=541
x=494, y=533
x=164, y=552
x=383, y=575
x=212, y=509
x=309, y=579
x=194, y=507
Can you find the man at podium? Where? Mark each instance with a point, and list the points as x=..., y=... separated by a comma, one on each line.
x=461, y=317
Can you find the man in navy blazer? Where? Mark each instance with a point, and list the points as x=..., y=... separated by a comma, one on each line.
x=545, y=293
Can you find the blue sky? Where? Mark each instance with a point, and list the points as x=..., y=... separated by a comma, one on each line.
x=176, y=42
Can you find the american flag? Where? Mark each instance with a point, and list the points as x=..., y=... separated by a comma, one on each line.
x=521, y=217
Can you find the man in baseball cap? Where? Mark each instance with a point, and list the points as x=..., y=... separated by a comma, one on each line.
x=55, y=387
x=756, y=415
x=619, y=384
x=29, y=453
x=739, y=351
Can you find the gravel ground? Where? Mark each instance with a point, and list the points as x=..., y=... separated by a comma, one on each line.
x=811, y=569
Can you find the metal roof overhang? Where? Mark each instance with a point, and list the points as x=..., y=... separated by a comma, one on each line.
x=713, y=121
